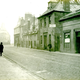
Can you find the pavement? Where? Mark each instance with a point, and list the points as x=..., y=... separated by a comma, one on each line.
x=11, y=71
x=57, y=52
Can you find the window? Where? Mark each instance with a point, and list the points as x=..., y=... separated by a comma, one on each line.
x=41, y=39
x=49, y=38
x=67, y=39
x=49, y=19
x=41, y=23
x=44, y=22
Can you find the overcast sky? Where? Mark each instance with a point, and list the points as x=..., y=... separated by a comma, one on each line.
x=11, y=10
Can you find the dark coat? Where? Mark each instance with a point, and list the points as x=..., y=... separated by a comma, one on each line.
x=49, y=45
x=1, y=48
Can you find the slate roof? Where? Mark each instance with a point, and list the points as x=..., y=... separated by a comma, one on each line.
x=59, y=7
x=70, y=15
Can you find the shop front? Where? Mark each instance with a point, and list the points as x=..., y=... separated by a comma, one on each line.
x=71, y=33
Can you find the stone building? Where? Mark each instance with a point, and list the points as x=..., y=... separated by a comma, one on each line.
x=33, y=34
x=26, y=27
x=50, y=29
x=30, y=31
x=71, y=32
x=25, y=34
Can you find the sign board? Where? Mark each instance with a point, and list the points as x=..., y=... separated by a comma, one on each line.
x=52, y=25
x=67, y=40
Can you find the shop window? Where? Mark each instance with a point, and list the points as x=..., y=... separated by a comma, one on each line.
x=67, y=40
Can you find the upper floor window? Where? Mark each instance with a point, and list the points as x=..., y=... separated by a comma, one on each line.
x=49, y=19
x=41, y=23
x=44, y=22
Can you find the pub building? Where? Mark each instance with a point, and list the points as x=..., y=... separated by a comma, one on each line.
x=71, y=32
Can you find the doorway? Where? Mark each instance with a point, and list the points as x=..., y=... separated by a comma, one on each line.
x=31, y=44
x=77, y=42
x=57, y=43
x=45, y=41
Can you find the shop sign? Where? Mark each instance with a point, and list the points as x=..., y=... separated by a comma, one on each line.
x=67, y=37
x=67, y=40
x=52, y=25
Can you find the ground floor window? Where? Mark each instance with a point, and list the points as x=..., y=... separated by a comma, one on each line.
x=34, y=43
x=67, y=40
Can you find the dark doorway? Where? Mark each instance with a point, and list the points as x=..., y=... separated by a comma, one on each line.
x=31, y=44
x=45, y=41
x=49, y=38
x=57, y=43
x=78, y=42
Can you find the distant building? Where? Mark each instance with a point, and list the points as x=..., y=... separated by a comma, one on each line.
x=4, y=36
x=30, y=31
x=33, y=34
x=16, y=36
x=18, y=33
x=26, y=32
x=26, y=27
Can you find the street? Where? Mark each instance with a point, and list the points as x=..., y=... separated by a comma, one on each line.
x=44, y=64
x=12, y=71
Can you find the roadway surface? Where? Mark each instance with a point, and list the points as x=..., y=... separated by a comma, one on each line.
x=44, y=64
x=12, y=71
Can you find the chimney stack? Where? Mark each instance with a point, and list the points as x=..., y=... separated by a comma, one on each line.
x=66, y=5
x=51, y=4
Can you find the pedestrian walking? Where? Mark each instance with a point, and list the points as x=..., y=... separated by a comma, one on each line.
x=1, y=48
x=50, y=46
